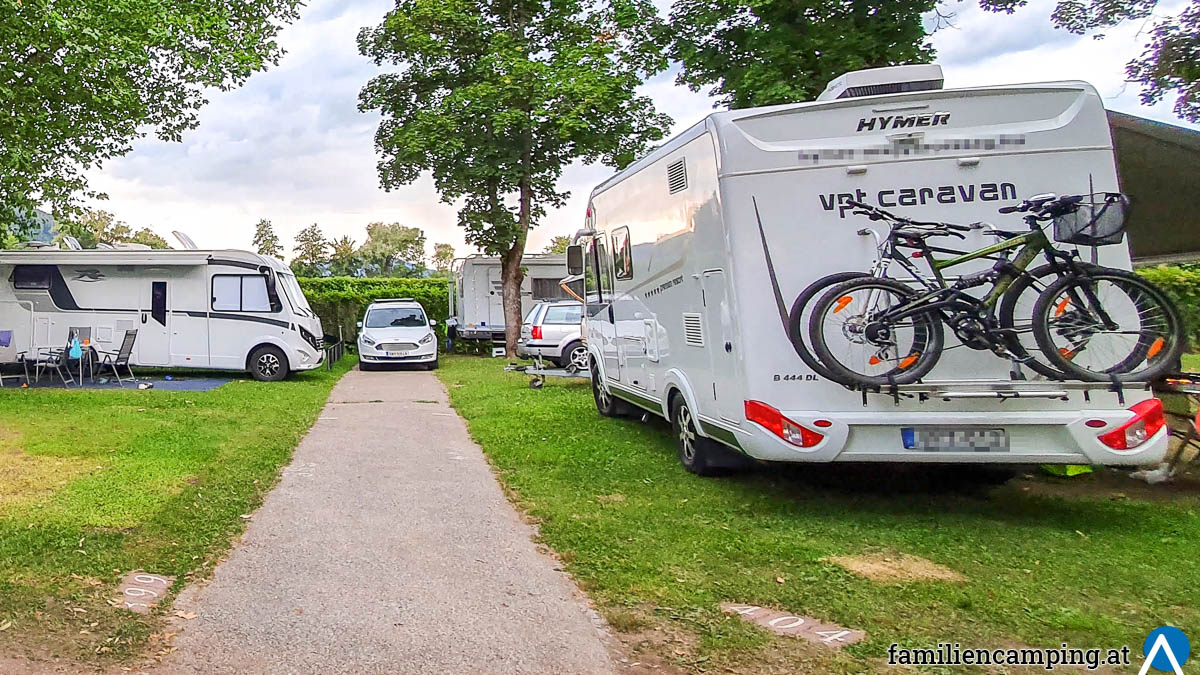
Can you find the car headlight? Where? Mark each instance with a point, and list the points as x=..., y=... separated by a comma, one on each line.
x=367, y=339
x=427, y=339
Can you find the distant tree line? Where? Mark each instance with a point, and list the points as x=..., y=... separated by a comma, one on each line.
x=389, y=250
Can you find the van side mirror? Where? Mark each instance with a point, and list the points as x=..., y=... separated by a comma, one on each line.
x=432, y=323
x=360, y=324
x=574, y=259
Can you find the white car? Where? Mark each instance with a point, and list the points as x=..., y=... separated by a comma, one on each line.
x=396, y=330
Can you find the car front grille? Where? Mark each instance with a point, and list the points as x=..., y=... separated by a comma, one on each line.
x=396, y=346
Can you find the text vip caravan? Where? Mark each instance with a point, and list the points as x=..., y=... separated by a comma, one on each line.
x=942, y=194
x=883, y=123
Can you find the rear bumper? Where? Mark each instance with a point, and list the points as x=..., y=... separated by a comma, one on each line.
x=1059, y=437
x=541, y=349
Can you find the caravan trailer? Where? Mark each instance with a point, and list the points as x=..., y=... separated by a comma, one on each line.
x=224, y=310
x=695, y=253
x=476, y=301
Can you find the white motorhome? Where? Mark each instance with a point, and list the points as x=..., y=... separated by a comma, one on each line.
x=695, y=253
x=476, y=300
x=225, y=310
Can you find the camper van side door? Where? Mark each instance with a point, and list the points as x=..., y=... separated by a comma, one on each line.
x=154, y=330
x=722, y=352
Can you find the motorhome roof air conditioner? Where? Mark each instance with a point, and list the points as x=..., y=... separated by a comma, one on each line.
x=890, y=80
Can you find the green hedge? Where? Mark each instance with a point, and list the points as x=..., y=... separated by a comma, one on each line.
x=1183, y=285
x=341, y=301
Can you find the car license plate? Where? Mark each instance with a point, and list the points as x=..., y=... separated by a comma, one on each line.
x=955, y=439
x=404, y=353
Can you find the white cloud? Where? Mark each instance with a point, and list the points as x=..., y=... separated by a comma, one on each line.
x=291, y=145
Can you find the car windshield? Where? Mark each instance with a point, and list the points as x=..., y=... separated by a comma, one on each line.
x=388, y=317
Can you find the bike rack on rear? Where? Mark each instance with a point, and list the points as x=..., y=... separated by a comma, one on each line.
x=948, y=390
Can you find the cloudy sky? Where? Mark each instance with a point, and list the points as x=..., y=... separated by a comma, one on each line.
x=292, y=147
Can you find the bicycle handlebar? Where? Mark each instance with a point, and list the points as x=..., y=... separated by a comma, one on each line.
x=876, y=213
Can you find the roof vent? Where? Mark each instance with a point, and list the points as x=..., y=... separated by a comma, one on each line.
x=890, y=80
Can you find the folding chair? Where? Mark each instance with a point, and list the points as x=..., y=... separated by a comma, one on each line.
x=49, y=359
x=118, y=359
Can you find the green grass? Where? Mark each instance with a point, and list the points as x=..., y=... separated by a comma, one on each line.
x=94, y=484
x=1091, y=571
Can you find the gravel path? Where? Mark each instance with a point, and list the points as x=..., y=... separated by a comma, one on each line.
x=387, y=547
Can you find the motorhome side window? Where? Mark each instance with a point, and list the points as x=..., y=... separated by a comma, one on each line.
x=622, y=254
x=240, y=293
x=31, y=277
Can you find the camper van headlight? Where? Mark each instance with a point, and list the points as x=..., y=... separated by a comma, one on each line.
x=427, y=339
x=367, y=339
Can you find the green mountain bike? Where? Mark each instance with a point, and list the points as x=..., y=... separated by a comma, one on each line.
x=1088, y=322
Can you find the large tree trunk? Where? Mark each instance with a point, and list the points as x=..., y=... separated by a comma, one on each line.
x=511, y=277
x=511, y=274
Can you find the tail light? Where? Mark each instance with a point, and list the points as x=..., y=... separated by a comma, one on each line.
x=536, y=332
x=774, y=421
x=1146, y=421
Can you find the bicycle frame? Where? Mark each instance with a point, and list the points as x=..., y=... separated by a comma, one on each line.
x=942, y=297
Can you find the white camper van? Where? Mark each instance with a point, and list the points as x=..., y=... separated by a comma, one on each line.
x=695, y=253
x=226, y=310
x=476, y=301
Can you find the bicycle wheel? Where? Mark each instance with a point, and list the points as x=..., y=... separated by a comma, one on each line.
x=798, y=319
x=1108, y=323
x=859, y=349
x=1016, y=317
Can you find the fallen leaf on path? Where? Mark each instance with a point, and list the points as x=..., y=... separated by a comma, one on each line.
x=5, y=626
x=186, y=615
x=779, y=580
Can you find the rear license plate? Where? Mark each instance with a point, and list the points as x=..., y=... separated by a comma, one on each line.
x=397, y=353
x=955, y=439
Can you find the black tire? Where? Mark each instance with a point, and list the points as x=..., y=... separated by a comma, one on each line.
x=1154, y=351
x=922, y=355
x=268, y=363
x=606, y=404
x=798, y=329
x=1019, y=298
x=364, y=366
x=699, y=455
x=575, y=354
x=432, y=366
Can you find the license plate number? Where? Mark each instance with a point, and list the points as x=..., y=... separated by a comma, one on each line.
x=404, y=353
x=954, y=439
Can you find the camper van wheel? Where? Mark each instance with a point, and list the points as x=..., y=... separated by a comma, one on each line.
x=606, y=404
x=699, y=455
x=268, y=364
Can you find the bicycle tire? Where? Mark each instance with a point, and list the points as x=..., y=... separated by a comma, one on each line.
x=1007, y=318
x=1161, y=358
x=927, y=342
x=797, y=331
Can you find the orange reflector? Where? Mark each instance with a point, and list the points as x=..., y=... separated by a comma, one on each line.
x=1067, y=353
x=1155, y=348
x=1061, y=307
x=841, y=303
x=874, y=360
x=908, y=360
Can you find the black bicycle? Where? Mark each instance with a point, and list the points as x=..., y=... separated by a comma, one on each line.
x=1088, y=322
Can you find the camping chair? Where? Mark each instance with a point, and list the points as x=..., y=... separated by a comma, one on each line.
x=49, y=359
x=118, y=359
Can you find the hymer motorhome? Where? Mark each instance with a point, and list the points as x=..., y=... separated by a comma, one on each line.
x=694, y=255
x=225, y=310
